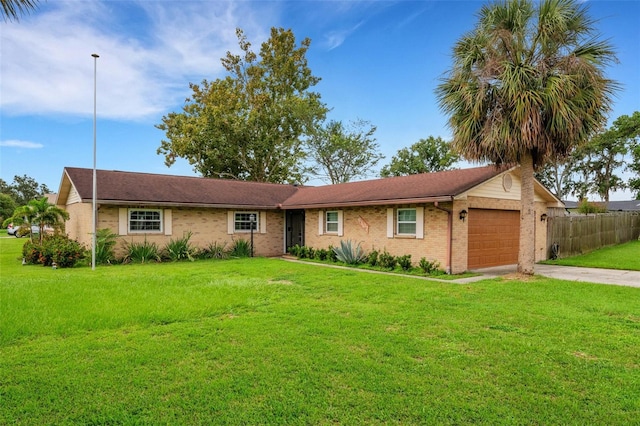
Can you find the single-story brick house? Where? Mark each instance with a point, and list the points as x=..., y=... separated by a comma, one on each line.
x=463, y=219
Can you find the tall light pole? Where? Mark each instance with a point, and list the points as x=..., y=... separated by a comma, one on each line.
x=252, y=220
x=94, y=215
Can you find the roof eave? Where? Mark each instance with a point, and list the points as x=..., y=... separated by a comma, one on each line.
x=174, y=204
x=385, y=202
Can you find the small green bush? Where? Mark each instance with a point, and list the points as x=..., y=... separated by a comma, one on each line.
x=105, y=245
x=386, y=261
x=321, y=254
x=215, y=250
x=24, y=231
x=241, y=248
x=305, y=252
x=58, y=249
x=295, y=250
x=142, y=252
x=302, y=252
x=427, y=266
x=181, y=248
x=65, y=252
x=404, y=262
x=332, y=254
x=585, y=207
x=372, y=259
x=31, y=252
x=349, y=254
x=311, y=253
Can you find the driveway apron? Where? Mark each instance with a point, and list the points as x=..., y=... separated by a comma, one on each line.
x=573, y=273
x=590, y=275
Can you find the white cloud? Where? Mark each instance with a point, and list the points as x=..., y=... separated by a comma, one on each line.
x=143, y=69
x=21, y=144
x=335, y=38
x=347, y=17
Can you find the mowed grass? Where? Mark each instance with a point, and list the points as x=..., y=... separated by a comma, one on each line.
x=264, y=341
x=623, y=256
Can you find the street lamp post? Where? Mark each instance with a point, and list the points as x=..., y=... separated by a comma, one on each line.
x=252, y=219
x=93, y=239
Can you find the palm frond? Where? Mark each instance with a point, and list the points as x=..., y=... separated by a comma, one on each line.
x=12, y=9
x=528, y=78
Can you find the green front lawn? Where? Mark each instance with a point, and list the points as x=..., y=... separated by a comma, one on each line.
x=623, y=256
x=264, y=341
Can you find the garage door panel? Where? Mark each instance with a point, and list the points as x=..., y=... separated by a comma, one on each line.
x=494, y=237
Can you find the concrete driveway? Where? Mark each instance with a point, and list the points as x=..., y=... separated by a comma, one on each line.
x=572, y=273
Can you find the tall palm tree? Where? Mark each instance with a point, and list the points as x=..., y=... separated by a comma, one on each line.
x=41, y=213
x=527, y=85
x=12, y=9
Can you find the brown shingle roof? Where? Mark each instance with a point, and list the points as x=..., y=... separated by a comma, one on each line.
x=423, y=187
x=127, y=187
x=117, y=187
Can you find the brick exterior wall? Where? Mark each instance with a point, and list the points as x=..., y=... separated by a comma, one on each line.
x=355, y=221
x=364, y=225
x=434, y=246
x=78, y=227
x=460, y=240
x=206, y=225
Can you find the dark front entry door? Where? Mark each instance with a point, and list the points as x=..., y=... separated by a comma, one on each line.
x=295, y=228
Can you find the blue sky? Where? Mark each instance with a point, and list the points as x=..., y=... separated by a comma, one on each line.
x=379, y=61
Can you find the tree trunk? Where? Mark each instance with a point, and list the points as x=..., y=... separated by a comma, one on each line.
x=527, y=252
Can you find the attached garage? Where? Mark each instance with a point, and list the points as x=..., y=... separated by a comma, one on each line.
x=494, y=237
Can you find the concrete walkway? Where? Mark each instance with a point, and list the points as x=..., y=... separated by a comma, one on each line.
x=569, y=273
x=572, y=273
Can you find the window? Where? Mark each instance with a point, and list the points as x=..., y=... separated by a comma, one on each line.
x=145, y=220
x=332, y=221
x=243, y=223
x=406, y=222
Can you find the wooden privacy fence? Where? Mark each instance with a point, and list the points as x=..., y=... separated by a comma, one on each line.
x=578, y=234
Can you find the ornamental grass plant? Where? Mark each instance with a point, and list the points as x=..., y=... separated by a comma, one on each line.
x=142, y=252
x=181, y=248
x=106, y=241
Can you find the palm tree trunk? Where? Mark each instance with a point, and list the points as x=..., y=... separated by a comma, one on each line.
x=526, y=254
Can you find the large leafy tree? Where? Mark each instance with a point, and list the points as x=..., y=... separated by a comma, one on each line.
x=251, y=124
x=557, y=176
x=595, y=167
x=7, y=206
x=12, y=9
x=628, y=129
x=38, y=212
x=4, y=186
x=570, y=175
x=342, y=153
x=527, y=85
x=606, y=152
x=426, y=155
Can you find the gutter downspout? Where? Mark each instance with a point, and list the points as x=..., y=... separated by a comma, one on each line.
x=449, y=233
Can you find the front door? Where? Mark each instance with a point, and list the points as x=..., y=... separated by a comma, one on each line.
x=295, y=228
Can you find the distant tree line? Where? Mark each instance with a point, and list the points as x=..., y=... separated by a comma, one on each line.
x=18, y=193
x=596, y=166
